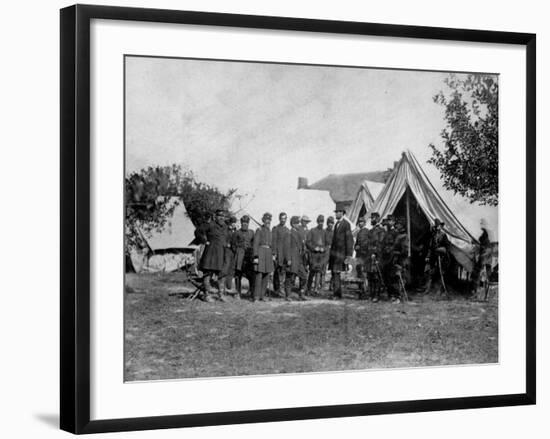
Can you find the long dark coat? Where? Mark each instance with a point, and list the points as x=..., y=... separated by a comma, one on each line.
x=263, y=250
x=342, y=245
x=294, y=253
x=279, y=234
x=316, y=244
x=375, y=238
x=242, y=242
x=215, y=237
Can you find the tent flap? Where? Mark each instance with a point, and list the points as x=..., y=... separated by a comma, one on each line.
x=409, y=173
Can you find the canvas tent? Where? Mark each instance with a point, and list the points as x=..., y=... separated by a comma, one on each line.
x=364, y=200
x=409, y=194
x=168, y=248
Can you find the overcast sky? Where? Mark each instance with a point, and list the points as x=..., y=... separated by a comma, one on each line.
x=257, y=127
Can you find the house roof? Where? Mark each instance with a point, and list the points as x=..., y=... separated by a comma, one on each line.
x=344, y=187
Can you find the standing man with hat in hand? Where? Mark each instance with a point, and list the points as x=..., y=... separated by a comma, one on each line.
x=263, y=257
x=280, y=234
x=316, y=245
x=215, y=237
x=341, y=248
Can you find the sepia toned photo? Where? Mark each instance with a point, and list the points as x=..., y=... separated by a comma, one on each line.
x=293, y=218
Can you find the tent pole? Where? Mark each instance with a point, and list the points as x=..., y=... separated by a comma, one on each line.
x=408, y=220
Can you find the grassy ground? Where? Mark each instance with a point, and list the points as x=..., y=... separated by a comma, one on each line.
x=167, y=337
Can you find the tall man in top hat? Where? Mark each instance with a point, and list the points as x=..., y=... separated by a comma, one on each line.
x=280, y=234
x=316, y=244
x=396, y=282
x=341, y=248
x=375, y=237
x=215, y=237
x=263, y=257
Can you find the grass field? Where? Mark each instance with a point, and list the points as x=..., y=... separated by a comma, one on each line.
x=167, y=337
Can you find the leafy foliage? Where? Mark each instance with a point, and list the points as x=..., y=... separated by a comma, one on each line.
x=468, y=160
x=148, y=195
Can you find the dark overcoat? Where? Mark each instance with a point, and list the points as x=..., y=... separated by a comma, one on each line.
x=316, y=244
x=215, y=237
x=279, y=234
x=342, y=245
x=294, y=253
x=375, y=238
x=262, y=246
x=242, y=242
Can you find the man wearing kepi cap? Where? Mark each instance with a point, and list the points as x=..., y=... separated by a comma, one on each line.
x=243, y=255
x=263, y=257
x=215, y=237
x=303, y=230
x=438, y=257
x=316, y=244
x=294, y=259
x=279, y=233
x=341, y=248
x=361, y=255
x=375, y=236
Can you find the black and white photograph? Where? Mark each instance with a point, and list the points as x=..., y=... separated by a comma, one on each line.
x=293, y=218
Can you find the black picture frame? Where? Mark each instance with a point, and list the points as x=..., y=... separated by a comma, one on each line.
x=75, y=217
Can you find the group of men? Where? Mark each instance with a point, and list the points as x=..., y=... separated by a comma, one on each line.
x=298, y=253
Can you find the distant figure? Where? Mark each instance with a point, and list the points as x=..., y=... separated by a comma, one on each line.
x=242, y=242
x=316, y=245
x=482, y=267
x=263, y=257
x=438, y=257
x=279, y=233
x=294, y=259
x=375, y=237
x=214, y=236
x=341, y=249
x=361, y=255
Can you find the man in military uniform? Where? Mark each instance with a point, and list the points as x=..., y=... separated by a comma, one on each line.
x=229, y=255
x=316, y=245
x=303, y=229
x=482, y=266
x=280, y=233
x=294, y=259
x=263, y=257
x=214, y=236
x=375, y=237
x=396, y=281
x=341, y=249
x=242, y=243
x=361, y=255
x=438, y=257
x=387, y=256
x=329, y=231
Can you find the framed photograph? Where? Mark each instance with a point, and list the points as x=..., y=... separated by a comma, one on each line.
x=268, y=219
